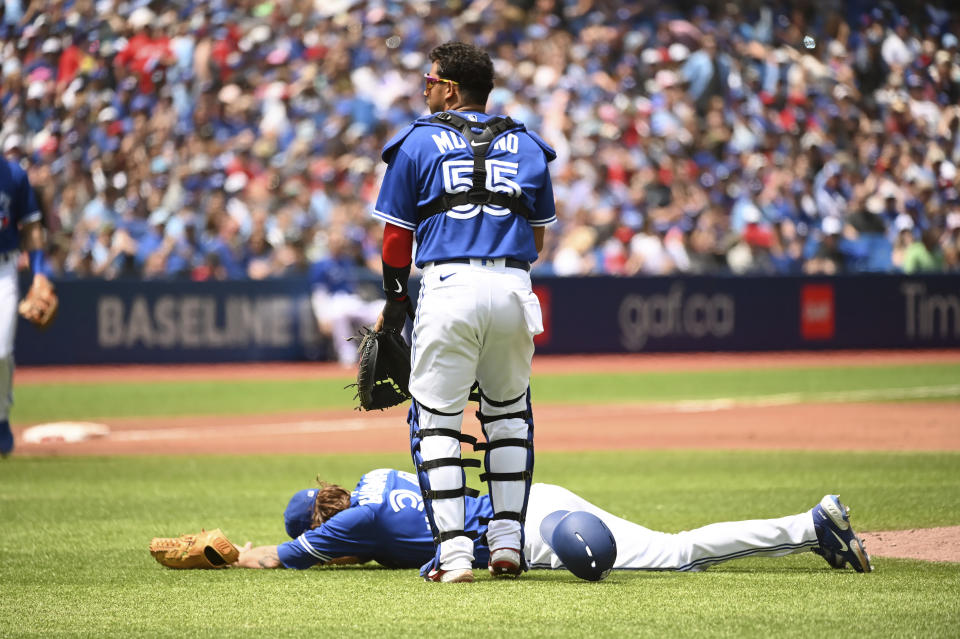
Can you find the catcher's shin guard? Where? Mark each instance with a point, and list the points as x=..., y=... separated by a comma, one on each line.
x=435, y=446
x=508, y=427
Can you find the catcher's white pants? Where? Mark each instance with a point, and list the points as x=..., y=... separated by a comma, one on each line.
x=342, y=314
x=474, y=322
x=9, y=295
x=640, y=548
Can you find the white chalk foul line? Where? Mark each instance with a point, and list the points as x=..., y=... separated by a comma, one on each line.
x=253, y=430
x=786, y=399
x=686, y=406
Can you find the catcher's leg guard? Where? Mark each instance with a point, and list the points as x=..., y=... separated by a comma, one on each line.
x=508, y=427
x=435, y=446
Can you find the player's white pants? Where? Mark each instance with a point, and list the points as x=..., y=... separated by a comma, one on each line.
x=342, y=314
x=9, y=295
x=474, y=322
x=640, y=548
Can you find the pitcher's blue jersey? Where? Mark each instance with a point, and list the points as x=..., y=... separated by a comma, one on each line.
x=18, y=204
x=385, y=523
x=427, y=159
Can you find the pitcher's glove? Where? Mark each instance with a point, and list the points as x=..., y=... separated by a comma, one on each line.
x=39, y=307
x=383, y=376
x=208, y=549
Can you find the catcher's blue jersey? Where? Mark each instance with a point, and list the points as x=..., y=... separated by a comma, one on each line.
x=427, y=159
x=18, y=204
x=385, y=523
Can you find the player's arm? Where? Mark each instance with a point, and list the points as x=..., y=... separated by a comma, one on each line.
x=259, y=557
x=397, y=260
x=538, y=233
x=544, y=211
x=269, y=557
x=34, y=243
x=30, y=219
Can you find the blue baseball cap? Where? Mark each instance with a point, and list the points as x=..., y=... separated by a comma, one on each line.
x=298, y=517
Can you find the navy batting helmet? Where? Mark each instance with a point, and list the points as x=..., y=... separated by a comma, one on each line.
x=582, y=542
x=298, y=517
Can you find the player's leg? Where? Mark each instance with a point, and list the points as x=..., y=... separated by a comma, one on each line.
x=6, y=400
x=435, y=439
x=639, y=548
x=8, y=327
x=322, y=304
x=700, y=548
x=506, y=416
x=634, y=542
x=342, y=314
x=443, y=366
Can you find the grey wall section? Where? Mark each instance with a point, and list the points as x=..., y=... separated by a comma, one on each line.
x=129, y=322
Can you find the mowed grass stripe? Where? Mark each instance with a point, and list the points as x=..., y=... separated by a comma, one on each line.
x=77, y=401
x=103, y=582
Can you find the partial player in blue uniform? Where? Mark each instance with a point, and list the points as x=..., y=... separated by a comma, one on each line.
x=337, y=305
x=20, y=218
x=383, y=520
x=476, y=191
x=384, y=523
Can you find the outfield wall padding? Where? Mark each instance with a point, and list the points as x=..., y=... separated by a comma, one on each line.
x=147, y=322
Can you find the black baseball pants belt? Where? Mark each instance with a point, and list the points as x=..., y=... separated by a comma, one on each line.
x=508, y=262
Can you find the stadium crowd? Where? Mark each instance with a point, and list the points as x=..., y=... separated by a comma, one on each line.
x=233, y=139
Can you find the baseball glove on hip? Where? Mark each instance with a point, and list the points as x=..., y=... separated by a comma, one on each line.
x=39, y=307
x=207, y=549
x=383, y=376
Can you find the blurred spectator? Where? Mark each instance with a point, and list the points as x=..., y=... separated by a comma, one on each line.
x=255, y=128
x=904, y=239
x=827, y=259
x=950, y=243
x=337, y=300
x=923, y=256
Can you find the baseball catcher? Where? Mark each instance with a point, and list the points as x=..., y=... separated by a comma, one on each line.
x=207, y=549
x=39, y=307
x=383, y=374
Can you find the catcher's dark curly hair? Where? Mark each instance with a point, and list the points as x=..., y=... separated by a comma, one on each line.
x=330, y=500
x=467, y=65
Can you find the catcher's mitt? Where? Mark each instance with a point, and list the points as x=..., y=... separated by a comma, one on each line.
x=208, y=549
x=39, y=307
x=383, y=375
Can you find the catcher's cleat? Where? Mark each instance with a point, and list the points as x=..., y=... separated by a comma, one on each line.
x=463, y=576
x=6, y=439
x=839, y=545
x=505, y=562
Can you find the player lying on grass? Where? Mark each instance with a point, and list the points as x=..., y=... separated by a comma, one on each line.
x=382, y=520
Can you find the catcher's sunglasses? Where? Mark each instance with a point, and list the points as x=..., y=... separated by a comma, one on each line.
x=431, y=80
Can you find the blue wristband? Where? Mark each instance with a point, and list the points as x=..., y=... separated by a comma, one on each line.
x=38, y=262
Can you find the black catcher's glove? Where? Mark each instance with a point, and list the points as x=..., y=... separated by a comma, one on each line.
x=383, y=376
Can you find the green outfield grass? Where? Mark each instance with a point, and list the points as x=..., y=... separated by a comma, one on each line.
x=48, y=402
x=74, y=560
